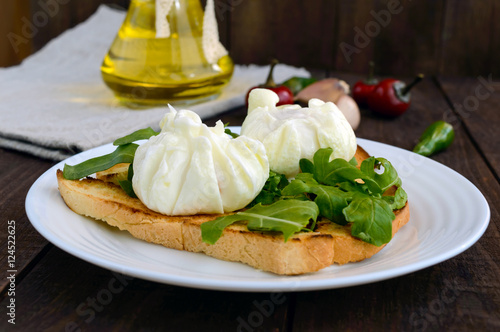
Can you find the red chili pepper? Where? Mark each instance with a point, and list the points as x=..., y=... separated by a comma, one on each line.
x=362, y=89
x=391, y=97
x=284, y=93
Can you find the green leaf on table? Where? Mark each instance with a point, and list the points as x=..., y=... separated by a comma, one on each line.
x=285, y=216
x=137, y=135
x=371, y=219
x=122, y=154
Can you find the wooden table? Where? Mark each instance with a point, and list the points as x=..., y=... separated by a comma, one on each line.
x=54, y=288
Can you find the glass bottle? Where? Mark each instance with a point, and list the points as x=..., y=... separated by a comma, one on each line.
x=144, y=70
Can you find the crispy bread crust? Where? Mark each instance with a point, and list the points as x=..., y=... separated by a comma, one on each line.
x=302, y=253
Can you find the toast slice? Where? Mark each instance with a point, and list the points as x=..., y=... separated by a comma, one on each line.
x=267, y=251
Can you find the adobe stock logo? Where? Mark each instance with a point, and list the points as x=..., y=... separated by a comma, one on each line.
x=372, y=29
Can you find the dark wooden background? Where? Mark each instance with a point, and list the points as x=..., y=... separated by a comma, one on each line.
x=436, y=37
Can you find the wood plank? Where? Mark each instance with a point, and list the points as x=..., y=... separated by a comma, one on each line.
x=61, y=17
x=494, y=64
x=409, y=44
x=243, y=38
x=59, y=292
x=476, y=102
x=401, y=38
x=466, y=37
x=296, y=32
x=223, y=10
x=18, y=172
x=461, y=293
x=83, y=11
x=424, y=37
x=58, y=19
x=353, y=52
x=16, y=42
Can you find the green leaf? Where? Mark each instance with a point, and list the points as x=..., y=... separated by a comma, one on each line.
x=335, y=187
x=285, y=216
x=400, y=199
x=306, y=166
x=388, y=178
x=137, y=135
x=271, y=191
x=330, y=200
x=229, y=132
x=126, y=185
x=122, y=154
x=339, y=170
x=354, y=187
x=397, y=201
x=371, y=217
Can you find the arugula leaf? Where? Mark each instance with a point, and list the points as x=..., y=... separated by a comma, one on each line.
x=371, y=219
x=229, y=132
x=137, y=135
x=385, y=180
x=400, y=199
x=354, y=187
x=306, y=166
x=338, y=170
x=271, y=191
x=122, y=154
x=335, y=187
x=330, y=200
x=285, y=216
x=397, y=201
x=126, y=185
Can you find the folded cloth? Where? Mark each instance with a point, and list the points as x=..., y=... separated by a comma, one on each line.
x=55, y=103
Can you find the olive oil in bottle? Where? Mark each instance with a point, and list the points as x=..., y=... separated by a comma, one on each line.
x=143, y=70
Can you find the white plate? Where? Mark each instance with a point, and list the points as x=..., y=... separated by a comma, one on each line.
x=448, y=215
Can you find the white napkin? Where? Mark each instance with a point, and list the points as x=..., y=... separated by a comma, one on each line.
x=55, y=103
